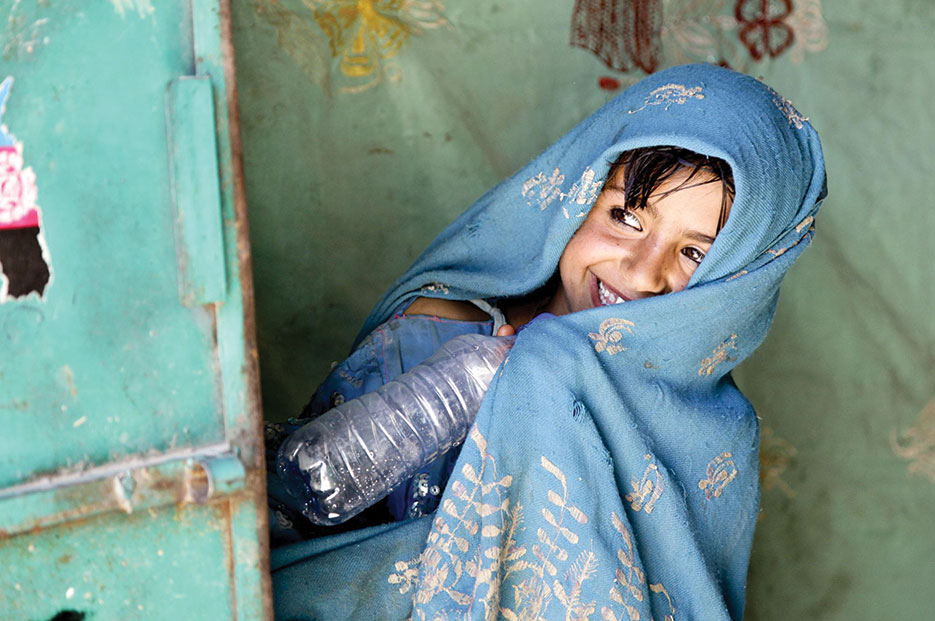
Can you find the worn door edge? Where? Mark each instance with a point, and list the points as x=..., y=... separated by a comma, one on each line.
x=214, y=55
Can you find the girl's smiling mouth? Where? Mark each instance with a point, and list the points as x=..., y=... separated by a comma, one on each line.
x=603, y=295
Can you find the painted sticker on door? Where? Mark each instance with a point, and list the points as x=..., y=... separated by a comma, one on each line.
x=24, y=258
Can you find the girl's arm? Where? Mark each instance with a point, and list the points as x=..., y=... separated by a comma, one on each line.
x=452, y=309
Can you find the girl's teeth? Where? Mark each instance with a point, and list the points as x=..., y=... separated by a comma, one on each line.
x=608, y=297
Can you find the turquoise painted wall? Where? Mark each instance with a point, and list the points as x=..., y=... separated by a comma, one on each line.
x=352, y=168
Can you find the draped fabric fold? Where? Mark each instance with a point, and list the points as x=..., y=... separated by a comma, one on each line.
x=612, y=471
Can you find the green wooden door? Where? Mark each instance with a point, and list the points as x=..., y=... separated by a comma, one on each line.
x=131, y=478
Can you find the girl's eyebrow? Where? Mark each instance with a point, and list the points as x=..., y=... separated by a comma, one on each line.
x=699, y=237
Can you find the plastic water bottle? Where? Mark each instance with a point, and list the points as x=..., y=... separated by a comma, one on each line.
x=356, y=453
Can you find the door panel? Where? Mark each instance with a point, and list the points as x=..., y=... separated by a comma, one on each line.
x=130, y=466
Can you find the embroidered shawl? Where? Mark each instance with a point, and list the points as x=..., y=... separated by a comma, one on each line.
x=612, y=472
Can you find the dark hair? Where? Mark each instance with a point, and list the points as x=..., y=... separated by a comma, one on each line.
x=647, y=168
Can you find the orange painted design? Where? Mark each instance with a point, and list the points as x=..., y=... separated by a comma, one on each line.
x=366, y=33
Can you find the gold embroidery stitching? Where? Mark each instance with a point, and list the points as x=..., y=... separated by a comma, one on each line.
x=497, y=554
x=720, y=471
x=356, y=382
x=435, y=287
x=609, y=335
x=669, y=94
x=627, y=588
x=719, y=355
x=542, y=191
x=647, y=490
x=658, y=588
x=804, y=223
x=795, y=118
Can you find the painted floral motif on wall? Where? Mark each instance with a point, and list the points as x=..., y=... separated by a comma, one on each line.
x=350, y=44
x=640, y=36
x=917, y=444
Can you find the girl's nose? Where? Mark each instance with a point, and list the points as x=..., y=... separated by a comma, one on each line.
x=647, y=272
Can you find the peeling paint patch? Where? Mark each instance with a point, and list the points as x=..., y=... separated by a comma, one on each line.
x=70, y=380
x=21, y=37
x=24, y=257
x=143, y=8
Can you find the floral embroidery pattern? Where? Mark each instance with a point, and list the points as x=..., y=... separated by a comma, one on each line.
x=436, y=287
x=719, y=355
x=807, y=221
x=631, y=580
x=548, y=574
x=647, y=490
x=441, y=565
x=917, y=444
x=610, y=334
x=542, y=191
x=721, y=471
x=795, y=118
x=669, y=94
x=356, y=382
x=366, y=33
x=625, y=575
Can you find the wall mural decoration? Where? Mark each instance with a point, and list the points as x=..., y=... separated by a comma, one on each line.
x=917, y=444
x=350, y=42
x=23, y=256
x=636, y=37
x=622, y=33
x=776, y=455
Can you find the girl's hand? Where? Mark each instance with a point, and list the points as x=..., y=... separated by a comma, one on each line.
x=506, y=330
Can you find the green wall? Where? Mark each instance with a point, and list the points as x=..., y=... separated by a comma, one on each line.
x=350, y=176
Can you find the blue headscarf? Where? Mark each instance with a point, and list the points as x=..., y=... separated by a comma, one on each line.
x=612, y=472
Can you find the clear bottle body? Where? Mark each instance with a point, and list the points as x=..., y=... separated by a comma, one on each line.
x=355, y=454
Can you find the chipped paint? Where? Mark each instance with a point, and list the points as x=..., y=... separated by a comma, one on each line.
x=21, y=36
x=143, y=8
x=69, y=376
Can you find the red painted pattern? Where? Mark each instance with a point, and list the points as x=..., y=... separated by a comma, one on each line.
x=763, y=30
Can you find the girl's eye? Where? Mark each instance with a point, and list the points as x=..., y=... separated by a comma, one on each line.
x=626, y=217
x=693, y=254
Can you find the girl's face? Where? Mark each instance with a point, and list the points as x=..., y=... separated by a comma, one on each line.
x=620, y=255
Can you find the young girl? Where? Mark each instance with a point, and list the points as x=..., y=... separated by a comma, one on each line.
x=612, y=469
